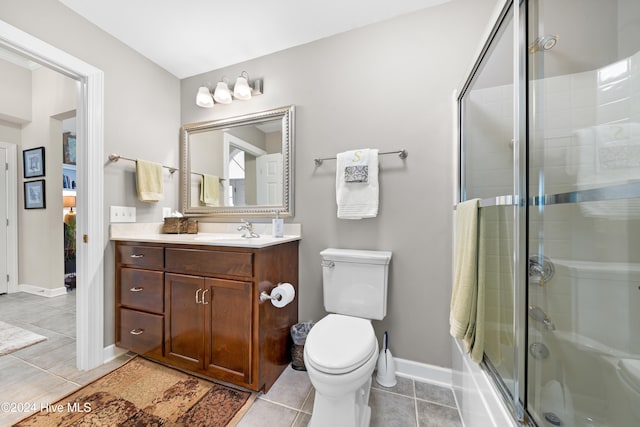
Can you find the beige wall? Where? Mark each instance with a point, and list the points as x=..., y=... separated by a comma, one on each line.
x=387, y=86
x=141, y=110
x=15, y=87
x=10, y=132
x=40, y=233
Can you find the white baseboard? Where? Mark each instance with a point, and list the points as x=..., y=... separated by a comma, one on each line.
x=43, y=292
x=111, y=352
x=423, y=372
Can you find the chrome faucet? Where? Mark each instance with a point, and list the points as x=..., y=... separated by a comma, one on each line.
x=247, y=227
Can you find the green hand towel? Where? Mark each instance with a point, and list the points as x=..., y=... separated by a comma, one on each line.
x=210, y=190
x=149, y=181
x=464, y=297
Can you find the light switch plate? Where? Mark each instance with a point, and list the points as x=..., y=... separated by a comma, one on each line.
x=123, y=214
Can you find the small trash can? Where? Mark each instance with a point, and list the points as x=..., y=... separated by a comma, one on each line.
x=299, y=333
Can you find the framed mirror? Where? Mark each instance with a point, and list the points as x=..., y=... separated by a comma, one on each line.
x=239, y=166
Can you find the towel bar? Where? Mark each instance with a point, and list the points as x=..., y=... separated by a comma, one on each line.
x=401, y=153
x=116, y=157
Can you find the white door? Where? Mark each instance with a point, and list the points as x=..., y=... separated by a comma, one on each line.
x=4, y=216
x=269, y=176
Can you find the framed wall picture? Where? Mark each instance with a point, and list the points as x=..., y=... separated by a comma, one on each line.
x=68, y=148
x=34, y=194
x=33, y=162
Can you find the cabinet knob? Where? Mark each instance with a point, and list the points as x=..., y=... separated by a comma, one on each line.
x=136, y=256
x=203, y=294
x=136, y=331
x=197, y=292
x=136, y=289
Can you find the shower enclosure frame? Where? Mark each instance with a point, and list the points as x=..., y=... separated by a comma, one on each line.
x=518, y=11
x=531, y=191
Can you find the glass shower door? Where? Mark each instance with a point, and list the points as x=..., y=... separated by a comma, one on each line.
x=487, y=173
x=583, y=334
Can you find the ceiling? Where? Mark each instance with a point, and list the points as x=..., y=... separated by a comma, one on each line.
x=189, y=37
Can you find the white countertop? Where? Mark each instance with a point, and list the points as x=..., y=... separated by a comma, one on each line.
x=209, y=234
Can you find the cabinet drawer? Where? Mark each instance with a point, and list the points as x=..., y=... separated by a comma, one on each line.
x=141, y=332
x=142, y=289
x=141, y=256
x=208, y=263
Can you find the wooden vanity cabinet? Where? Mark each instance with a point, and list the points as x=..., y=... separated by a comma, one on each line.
x=211, y=320
x=221, y=310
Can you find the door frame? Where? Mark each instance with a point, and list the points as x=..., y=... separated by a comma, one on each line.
x=12, y=215
x=90, y=223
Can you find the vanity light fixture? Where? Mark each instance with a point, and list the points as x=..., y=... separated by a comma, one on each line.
x=243, y=89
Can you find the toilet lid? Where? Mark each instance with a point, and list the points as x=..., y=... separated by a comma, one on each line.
x=339, y=344
x=630, y=371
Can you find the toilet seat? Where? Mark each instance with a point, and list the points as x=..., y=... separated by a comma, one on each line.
x=339, y=344
x=630, y=371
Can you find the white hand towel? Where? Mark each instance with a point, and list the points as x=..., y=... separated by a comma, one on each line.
x=357, y=194
x=149, y=181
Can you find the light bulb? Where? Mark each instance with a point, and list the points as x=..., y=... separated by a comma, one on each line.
x=241, y=90
x=222, y=95
x=204, y=99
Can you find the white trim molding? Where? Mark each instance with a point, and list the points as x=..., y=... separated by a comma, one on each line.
x=423, y=372
x=12, y=216
x=90, y=225
x=111, y=352
x=43, y=292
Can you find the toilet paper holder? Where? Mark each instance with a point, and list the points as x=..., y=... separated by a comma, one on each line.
x=265, y=296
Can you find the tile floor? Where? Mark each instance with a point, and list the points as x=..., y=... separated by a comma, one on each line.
x=46, y=371
x=409, y=403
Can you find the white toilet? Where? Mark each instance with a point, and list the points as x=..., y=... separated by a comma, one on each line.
x=341, y=350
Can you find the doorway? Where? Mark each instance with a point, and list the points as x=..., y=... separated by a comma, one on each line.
x=4, y=219
x=90, y=224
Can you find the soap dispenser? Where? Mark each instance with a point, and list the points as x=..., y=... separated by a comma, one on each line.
x=277, y=225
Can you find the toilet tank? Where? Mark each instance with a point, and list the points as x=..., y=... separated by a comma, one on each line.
x=355, y=282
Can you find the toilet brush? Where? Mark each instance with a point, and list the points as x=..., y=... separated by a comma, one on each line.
x=386, y=375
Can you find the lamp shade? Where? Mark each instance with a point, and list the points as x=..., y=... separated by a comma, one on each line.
x=222, y=94
x=204, y=99
x=69, y=201
x=241, y=90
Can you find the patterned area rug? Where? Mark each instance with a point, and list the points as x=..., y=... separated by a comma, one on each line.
x=13, y=338
x=144, y=393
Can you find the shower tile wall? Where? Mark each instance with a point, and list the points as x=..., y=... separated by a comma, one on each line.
x=574, y=107
x=489, y=142
x=588, y=132
x=496, y=242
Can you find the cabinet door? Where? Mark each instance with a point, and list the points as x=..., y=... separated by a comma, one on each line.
x=228, y=330
x=184, y=336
